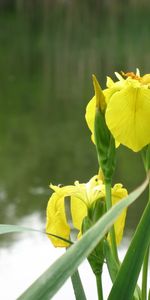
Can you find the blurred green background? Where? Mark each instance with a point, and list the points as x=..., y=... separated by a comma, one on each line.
x=48, y=51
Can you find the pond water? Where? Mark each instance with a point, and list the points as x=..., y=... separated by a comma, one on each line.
x=47, y=56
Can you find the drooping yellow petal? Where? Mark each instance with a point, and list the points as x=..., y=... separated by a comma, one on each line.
x=81, y=197
x=56, y=221
x=118, y=193
x=128, y=116
x=79, y=211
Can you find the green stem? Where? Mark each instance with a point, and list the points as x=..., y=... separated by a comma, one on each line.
x=144, y=275
x=145, y=270
x=99, y=286
x=77, y=286
x=112, y=231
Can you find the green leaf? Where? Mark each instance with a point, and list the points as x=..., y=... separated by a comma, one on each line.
x=48, y=283
x=96, y=257
x=77, y=286
x=113, y=268
x=127, y=277
x=105, y=145
x=112, y=265
x=6, y=228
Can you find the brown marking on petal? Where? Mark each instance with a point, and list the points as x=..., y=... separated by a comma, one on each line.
x=131, y=75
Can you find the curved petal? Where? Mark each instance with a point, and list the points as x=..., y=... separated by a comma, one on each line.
x=56, y=221
x=109, y=82
x=79, y=211
x=110, y=92
x=77, y=190
x=128, y=117
x=90, y=112
x=119, y=193
x=146, y=79
x=90, y=116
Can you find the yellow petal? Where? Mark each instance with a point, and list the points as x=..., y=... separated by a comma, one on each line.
x=119, y=193
x=56, y=221
x=128, y=117
x=109, y=82
x=146, y=79
x=113, y=87
x=109, y=93
x=79, y=211
x=81, y=197
x=90, y=115
x=119, y=76
x=90, y=112
x=78, y=190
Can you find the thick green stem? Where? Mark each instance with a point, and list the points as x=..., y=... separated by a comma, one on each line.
x=112, y=231
x=144, y=275
x=99, y=286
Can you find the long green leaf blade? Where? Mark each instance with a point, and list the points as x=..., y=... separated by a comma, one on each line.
x=127, y=277
x=6, y=228
x=112, y=265
x=49, y=282
x=77, y=286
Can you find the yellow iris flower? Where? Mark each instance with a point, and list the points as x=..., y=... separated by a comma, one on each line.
x=128, y=109
x=81, y=197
